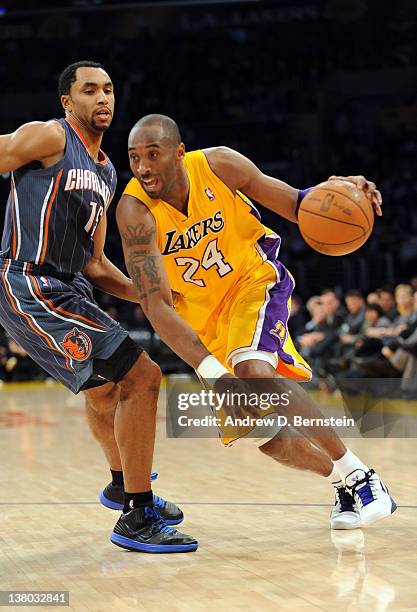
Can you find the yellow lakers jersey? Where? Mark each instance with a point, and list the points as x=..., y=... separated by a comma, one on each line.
x=208, y=253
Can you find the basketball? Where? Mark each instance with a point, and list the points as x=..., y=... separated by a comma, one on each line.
x=336, y=218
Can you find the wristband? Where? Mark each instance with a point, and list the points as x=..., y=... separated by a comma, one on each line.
x=301, y=194
x=211, y=368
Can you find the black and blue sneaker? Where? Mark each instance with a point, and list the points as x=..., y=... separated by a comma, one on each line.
x=112, y=497
x=144, y=530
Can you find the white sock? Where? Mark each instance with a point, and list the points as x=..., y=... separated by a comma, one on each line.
x=348, y=464
x=334, y=477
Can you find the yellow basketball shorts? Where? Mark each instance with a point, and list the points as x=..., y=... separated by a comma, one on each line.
x=255, y=318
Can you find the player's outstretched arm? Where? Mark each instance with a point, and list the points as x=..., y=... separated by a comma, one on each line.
x=32, y=141
x=145, y=265
x=240, y=173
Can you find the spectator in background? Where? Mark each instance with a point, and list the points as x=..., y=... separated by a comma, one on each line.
x=372, y=298
x=352, y=327
x=404, y=301
x=314, y=335
x=351, y=330
x=366, y=349
x=398, y=324
x=403, y=356
x=367, y=360
x=322, y=331
x=317, y=321
x=335, y=312
x=387, y=303
x=374, y=317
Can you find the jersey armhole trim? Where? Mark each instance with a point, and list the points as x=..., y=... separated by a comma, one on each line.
x=216, y=175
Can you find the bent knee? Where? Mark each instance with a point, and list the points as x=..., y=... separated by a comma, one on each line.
x=144, y=374
x=103, y=399
x=278, y=448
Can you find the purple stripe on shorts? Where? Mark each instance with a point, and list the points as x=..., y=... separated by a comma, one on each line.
x=270, y=245
x=274, y=329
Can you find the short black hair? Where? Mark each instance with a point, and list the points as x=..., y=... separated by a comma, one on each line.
x=328, y=290
x=68, y=75
x=386, y=289
x=376, y=307
x=169, y=127
x=354, y=293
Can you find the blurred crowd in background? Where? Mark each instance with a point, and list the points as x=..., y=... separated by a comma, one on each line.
x=306, y=89
x=370, y=336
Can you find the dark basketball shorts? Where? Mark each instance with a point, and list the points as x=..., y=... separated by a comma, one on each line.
x=55, y=319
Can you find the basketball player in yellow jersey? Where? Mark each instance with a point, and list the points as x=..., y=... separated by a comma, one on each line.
x=188, y=227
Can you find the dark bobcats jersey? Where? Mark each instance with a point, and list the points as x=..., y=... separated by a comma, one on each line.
x=52, y=213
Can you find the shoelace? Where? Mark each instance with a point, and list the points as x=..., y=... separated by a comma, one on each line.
x=365, y=493
x=158, y=525
x=158, y=501
x=345, y=499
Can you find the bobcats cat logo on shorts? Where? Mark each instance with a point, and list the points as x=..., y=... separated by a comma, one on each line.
x=77, y=345
x=278, y=331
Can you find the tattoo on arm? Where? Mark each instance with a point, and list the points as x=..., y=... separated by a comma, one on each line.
x=151, y=271
x=135, y=275
x=142, y=267
x=136, y=235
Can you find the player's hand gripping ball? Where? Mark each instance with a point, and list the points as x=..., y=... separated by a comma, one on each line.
x=336, y=217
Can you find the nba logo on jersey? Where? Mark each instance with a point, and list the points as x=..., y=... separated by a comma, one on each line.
x=209, y=194
x=77, y=345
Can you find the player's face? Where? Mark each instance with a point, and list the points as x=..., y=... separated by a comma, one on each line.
x=91, y=99
x=154, y=160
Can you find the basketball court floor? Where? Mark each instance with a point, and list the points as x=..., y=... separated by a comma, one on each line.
x=265, y=542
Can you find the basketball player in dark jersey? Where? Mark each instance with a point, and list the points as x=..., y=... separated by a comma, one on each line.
x=51, y=256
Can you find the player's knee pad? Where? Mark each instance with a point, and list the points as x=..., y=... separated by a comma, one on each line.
x=116, y=366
